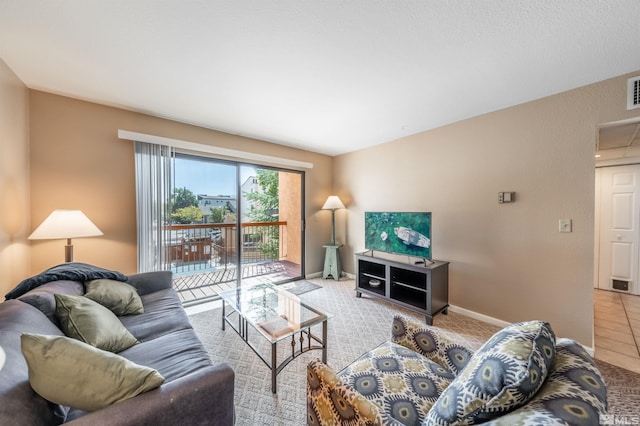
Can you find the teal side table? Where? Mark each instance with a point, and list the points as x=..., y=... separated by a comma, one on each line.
x=332, y=262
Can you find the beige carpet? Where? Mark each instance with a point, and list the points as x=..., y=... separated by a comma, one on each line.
x=357, y=326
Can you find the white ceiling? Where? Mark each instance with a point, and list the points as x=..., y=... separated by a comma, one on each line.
x=327, y=76
x=618, y=140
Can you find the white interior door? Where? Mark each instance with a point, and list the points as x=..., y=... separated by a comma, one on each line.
x=619, y=228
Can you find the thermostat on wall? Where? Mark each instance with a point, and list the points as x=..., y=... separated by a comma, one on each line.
x=506, y=197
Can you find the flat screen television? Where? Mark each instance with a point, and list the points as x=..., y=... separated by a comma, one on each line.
x=405, y=233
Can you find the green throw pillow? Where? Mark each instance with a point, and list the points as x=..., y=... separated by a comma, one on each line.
x=92, y=323
x=68, y=372
x=504, y=374
x=121, y=298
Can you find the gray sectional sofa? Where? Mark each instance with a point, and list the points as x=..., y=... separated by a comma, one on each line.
x=194, y=391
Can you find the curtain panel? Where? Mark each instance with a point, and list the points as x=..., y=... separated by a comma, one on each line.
x=154, y=184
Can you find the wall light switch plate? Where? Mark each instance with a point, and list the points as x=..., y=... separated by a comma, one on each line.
x=564, y=225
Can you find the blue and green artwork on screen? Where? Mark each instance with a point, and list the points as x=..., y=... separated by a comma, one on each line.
x=407, y=233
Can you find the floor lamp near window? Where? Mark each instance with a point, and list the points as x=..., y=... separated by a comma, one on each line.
x=66, y=224
x=332, y=257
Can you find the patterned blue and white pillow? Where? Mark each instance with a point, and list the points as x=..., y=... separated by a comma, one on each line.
x=502, y=375
x=573, y=394
x=402, y=383
x=431, y=342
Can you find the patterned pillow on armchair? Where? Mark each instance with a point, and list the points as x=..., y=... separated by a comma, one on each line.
x=502, y=375
x=404, y=384
x=431, y=342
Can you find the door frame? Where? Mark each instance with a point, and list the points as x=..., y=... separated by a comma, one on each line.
x=598, y=230
x=239, y=248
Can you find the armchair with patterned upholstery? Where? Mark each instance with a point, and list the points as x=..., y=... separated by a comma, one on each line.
x=425, y=376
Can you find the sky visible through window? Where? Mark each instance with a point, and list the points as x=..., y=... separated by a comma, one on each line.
x=209, y=178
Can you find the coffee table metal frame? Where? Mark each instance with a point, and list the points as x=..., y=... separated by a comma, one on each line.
x=307, y=341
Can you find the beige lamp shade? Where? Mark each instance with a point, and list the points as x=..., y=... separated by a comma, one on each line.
x=332, y=203
x=61, y=224
x=65, y=224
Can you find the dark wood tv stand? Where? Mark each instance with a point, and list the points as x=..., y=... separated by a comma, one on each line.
x=419, y=287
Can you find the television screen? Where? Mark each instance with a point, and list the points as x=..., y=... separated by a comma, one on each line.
x=406, y=233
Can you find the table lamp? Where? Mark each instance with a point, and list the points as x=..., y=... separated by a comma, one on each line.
x=61, y=224
x=333, y=203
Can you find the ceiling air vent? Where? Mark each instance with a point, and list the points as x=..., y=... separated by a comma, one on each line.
x=633, y=93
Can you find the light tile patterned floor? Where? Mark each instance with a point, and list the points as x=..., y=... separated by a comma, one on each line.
x=617, y=329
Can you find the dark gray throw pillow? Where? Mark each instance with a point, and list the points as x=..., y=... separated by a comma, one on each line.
x=43, y=297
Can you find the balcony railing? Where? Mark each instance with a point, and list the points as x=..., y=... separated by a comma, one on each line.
x=197, y=247
x=207, y=258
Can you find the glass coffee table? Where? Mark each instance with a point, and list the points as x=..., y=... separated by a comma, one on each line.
x=277, y=315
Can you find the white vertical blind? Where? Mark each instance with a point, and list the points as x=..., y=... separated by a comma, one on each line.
x=154, y=183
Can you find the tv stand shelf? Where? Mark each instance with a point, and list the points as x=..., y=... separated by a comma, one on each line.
x=421, y=288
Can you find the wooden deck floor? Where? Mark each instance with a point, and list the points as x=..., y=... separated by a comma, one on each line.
x=201, y=286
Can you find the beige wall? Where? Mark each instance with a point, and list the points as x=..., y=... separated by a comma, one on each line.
x=508, y=261
x=78, y=162
x=14, y=179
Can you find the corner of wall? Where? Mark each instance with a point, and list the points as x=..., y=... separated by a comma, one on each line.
x=14, y=179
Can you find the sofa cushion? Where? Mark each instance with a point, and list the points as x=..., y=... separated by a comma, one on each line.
x=43, y=297
x=174, y=355
x=403, y=383
x=150, y=282
x=121, y=298
x=163, y=314
x=501, y=376
x=70, y=372
x=92, y=323
x=574, y=392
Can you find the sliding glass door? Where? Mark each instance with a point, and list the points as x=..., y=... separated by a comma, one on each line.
x=234, y=224
x=271, y=207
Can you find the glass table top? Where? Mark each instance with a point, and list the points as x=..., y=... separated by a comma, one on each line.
x=273, y=311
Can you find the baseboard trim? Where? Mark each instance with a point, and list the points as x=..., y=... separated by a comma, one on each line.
x=499, y=323
x=481, y=317
x=319, y=275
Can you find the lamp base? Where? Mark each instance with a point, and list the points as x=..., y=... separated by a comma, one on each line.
x=332, y=266
x=68, y=251
x=333, y=227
